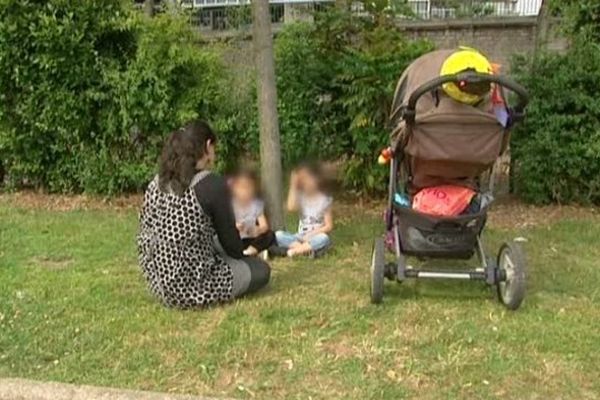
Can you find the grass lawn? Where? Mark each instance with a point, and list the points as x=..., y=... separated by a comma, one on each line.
x=74, y=308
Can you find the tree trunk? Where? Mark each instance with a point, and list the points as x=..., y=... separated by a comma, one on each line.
x=149, y=7
x=270, y=146
x=543, y=27
x=173, y=6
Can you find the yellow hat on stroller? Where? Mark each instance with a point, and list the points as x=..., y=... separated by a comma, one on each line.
x=466, y=59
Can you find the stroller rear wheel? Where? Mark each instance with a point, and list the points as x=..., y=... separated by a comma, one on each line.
x=511, y=268
x=377, y=271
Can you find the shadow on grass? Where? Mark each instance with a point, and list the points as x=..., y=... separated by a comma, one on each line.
x=452, y=291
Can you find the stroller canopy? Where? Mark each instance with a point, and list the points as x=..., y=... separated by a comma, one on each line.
x=449, y=142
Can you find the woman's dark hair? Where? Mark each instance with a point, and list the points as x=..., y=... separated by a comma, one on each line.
x=180, y=154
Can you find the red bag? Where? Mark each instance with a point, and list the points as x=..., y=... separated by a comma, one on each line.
x=446, y=200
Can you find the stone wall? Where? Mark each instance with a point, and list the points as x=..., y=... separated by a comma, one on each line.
x=498, y=38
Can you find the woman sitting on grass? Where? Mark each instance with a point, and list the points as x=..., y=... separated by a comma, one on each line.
x=190, y=251
x=316, y=219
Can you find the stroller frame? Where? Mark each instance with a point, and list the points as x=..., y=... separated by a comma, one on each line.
x=507, y=272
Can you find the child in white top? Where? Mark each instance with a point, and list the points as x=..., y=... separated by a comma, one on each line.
x=250, y=218
x=314, y=207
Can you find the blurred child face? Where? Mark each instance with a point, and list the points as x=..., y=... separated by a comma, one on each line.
x=309, y=183
x=243, y=189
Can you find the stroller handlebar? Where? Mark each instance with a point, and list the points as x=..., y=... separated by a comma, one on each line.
x=470, y=77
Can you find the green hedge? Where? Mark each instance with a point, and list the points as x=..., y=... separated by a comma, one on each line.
x=90, y=89
x=336, y=80
x=556, y=152
x=309, y=121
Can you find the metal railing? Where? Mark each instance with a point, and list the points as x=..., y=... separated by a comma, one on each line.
x=219, y=18
x=445, y=9
x=213, y=3
x=224, y=15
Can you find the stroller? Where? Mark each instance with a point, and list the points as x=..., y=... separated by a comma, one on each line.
x=437, y=140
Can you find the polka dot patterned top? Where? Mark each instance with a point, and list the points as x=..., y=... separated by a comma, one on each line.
x=176, y=251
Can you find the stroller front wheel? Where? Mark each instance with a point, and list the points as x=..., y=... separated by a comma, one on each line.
x=512, y=270
x=377, y=271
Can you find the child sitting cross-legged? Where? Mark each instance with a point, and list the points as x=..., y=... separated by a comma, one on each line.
x=250, y=218
x=314, y=207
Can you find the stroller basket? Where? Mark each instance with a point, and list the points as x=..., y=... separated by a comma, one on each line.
x=426, y=235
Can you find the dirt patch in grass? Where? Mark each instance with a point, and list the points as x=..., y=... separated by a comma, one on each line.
x=339, y=349
x=507, y=212
x=56, y=263
x=511, y=213
x=55, y=202
x=551, y=376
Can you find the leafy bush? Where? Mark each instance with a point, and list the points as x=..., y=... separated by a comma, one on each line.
x=309, y=121
x=52, y=58
x=89, y=89
x=168, y=81
x=556, y=152
x=336, y=79
x=369, y=76
x=579, y=17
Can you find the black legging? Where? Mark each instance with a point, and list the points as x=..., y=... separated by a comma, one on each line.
x=249, y=273
x=261, y=242
x=260, y=273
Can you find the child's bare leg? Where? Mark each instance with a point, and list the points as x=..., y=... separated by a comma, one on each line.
x=295, y=244
x=250, y=251
x=302, y=248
